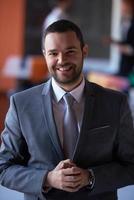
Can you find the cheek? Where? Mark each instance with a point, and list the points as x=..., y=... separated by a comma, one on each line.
x=78, y=59
x=78, y=56
x=50, y=62
x=74, y=59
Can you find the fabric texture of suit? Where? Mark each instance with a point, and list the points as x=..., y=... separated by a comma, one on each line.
x=31, y=147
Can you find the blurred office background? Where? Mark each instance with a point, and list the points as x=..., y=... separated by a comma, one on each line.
x=22, y=64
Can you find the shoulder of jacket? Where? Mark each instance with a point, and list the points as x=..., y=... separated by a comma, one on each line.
x=106, y=91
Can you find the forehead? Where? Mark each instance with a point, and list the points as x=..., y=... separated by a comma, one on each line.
x=61, y=40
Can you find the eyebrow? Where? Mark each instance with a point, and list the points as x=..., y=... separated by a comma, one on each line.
x=71, y=47
x=52, y=50
x=68, y=48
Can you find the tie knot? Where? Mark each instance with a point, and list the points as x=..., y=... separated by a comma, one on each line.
x=69, y=99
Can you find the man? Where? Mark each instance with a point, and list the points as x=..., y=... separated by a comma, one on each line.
x=42, y=155
x=126, y=44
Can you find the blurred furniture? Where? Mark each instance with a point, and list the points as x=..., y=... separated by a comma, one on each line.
x=32, y=68
x=109, y=81
x=39, y=71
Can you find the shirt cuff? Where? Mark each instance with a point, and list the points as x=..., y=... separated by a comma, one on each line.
x=45, y=188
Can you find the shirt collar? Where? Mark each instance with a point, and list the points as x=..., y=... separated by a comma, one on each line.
x=76, y=93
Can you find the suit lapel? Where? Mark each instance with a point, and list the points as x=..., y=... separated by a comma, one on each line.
x=87, y=116
x=49, y=118
x=89, y=105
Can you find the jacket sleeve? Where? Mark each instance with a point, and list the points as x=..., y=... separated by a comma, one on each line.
x=119, y=172
x=14, y=170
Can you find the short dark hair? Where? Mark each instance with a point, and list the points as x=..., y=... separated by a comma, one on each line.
x=62, y=26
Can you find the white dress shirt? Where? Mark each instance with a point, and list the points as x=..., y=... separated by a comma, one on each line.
x=59, y=105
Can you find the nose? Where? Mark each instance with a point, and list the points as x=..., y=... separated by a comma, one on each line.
x=61, y=59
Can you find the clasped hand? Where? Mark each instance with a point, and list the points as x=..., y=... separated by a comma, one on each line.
x=67, y=176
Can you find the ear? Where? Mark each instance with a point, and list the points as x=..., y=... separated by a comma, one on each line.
x=44, y=53
x=85, y=50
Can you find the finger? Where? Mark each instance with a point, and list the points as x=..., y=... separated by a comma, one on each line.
x=68, y=163
x=72, y=184
x=72, y=171
x=64, y=164
x=73, y=179
x=71, y=189
x=60, y=165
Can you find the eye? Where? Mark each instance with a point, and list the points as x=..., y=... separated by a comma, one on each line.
x=71, y=52
x=53, y=54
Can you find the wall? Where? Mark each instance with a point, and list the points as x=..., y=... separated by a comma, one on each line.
x=12, y=17
x=12, y=20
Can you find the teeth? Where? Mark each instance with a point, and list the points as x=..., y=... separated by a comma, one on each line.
x=64, y=69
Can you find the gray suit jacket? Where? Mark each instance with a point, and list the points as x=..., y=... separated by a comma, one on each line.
x=31, y=147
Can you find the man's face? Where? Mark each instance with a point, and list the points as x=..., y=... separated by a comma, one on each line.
x=64, y=57
x=126, y=9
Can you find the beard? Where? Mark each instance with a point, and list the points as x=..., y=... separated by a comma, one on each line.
x=71, y=74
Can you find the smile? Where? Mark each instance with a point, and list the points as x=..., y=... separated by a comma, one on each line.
x=63, y=69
